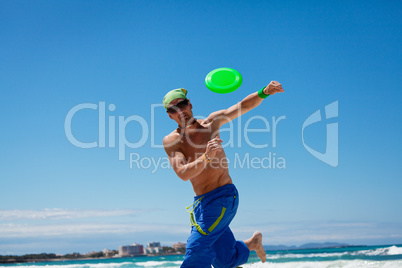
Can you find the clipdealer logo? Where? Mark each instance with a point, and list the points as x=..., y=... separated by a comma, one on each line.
x=108, y=124
x=112, y=133
x=331, y=155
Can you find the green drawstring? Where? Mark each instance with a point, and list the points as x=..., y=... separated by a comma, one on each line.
x=195, y=204
x=192, y=220
x=196, y=225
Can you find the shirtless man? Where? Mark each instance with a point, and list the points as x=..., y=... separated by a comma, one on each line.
x=195, y=153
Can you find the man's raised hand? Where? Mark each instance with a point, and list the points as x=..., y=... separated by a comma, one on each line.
x=273, y=87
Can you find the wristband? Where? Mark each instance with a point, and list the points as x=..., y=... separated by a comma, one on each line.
x=261, y=93
x=206, y=158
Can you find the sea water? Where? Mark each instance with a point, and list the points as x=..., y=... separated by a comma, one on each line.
x=369, y=256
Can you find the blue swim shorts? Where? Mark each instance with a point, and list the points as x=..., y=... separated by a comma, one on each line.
x=211, y=241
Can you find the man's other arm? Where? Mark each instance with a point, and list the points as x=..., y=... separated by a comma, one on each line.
x=178, y=161
x=247, y=104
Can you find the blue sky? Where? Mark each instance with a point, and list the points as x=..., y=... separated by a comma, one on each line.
x=57, y=55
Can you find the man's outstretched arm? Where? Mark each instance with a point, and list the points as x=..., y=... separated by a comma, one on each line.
x=247, y=104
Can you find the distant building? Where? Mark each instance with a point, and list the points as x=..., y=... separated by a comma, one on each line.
x=108, y=253
x=90, y=253
x=179, y=247
x=154, y=244
x=134, y=249
x=154, y=248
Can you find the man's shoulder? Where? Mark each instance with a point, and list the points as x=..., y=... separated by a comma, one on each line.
x=171, y=138
x=214, y=117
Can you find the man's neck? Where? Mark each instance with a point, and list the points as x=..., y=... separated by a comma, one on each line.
x=189, y=123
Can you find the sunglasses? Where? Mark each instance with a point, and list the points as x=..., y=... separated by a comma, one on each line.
x=173, y=109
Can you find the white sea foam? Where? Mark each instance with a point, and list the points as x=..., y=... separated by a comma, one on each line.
x=312, y=255
x=328, y=264
x=394, y=250
x=156, y=263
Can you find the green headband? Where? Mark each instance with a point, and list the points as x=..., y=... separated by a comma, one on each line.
x=178, y=93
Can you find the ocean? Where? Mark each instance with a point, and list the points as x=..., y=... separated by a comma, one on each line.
x=367, y=256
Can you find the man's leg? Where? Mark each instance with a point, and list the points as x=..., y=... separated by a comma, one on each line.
x=212, y=217
x=199, y=253
x=212, y=224
x=229, y=252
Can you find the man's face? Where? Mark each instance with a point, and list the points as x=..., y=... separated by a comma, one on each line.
x=180, y=111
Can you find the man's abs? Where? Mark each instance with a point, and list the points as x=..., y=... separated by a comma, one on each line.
x=208, y=181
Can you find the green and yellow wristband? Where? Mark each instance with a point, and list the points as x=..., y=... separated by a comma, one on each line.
x=261, y=93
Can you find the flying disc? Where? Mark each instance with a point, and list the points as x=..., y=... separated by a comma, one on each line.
x=223, y=80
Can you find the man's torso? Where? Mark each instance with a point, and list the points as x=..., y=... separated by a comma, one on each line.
x=192, y=142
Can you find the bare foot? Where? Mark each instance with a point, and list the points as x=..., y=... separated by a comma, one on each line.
x=255, y=243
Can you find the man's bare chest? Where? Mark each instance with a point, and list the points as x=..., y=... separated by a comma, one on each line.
x=194, y=143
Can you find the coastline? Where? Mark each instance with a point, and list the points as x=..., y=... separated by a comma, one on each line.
x=342, y=257
x=14, y=259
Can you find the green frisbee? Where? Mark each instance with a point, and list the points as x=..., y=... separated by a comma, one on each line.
x=223, y=80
